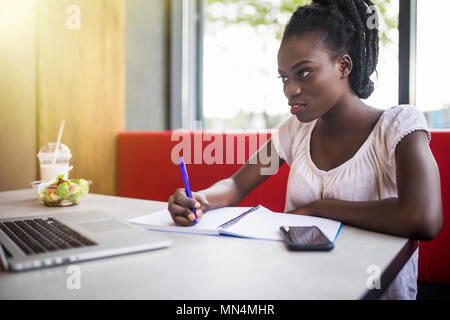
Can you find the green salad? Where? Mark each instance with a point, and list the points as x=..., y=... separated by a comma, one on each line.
x=61, y=190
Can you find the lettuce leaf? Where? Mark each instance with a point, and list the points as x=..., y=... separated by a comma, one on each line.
x=63, y=190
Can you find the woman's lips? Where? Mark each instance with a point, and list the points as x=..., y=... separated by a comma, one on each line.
x=296, y=109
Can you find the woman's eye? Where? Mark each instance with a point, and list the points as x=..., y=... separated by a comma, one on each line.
x=283, y=78
x=304, y=73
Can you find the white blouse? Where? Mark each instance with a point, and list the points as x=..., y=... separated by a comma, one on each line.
x=369, y=175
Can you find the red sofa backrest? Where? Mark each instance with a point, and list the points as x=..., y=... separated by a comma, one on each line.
x=146, y=171
x=434, y=256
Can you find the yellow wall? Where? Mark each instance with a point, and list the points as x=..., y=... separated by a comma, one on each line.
x=17, y=94
x=79, y=77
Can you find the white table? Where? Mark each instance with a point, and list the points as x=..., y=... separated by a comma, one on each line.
x=208, y=267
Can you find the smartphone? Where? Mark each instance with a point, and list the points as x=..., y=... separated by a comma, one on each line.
x=305, y=239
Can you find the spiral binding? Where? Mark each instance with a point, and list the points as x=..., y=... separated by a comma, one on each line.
x=236, y=219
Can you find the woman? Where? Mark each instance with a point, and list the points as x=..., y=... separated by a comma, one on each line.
x=350, y=162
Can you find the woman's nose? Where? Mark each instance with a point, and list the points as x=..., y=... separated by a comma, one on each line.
x=292, y=91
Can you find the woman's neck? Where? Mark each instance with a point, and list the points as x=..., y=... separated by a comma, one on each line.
x=348, y=114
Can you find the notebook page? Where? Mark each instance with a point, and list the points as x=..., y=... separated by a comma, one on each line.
x=162, y=220
x=265, y=224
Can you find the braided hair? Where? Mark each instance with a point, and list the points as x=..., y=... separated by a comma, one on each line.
x=344, y=30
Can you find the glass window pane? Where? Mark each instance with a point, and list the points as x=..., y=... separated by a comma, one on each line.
x=385, y=95
x=432, y=64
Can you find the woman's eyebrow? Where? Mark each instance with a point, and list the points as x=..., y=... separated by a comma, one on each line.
x=298, y=64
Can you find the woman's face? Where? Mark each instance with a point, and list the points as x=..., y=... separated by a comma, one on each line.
x=312, y=82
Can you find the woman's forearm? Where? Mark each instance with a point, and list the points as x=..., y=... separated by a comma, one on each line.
x=385, y=216
x=223, y=193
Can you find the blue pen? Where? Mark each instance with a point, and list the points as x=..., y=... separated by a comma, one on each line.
x=187, y=186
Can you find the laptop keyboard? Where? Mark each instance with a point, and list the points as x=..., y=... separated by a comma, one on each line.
x=38, y=235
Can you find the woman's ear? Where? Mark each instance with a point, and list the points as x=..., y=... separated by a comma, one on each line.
x=345, y=66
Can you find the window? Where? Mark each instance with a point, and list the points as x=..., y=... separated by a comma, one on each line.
x=385, y=95
x=432, y=64
x=240, y=46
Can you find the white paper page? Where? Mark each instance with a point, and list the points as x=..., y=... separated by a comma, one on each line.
x=265, y=224
x=162, y=220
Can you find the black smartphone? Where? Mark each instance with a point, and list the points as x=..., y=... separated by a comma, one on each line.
x=305, y=239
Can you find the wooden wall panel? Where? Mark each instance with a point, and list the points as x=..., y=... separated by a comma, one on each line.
x=17, y=94
x=80, y=78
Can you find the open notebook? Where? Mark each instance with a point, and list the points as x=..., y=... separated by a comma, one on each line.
x=257, y=223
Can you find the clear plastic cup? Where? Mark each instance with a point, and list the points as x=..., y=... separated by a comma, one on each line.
x=49, y=170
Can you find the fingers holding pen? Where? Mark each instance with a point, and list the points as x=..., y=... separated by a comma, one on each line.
x=204, y=204
x=180, y=208
x=183, y=200
x=178, y=212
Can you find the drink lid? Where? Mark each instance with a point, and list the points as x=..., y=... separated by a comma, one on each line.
x=47, y=151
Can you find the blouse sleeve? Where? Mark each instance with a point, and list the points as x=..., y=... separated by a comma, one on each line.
x=406, y=119
x=283, y=138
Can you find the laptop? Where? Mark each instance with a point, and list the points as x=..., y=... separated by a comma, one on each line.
x=50, y=240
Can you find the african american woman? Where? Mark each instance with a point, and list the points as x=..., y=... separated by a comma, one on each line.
x=350, y=162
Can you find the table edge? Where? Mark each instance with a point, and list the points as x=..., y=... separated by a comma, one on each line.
x=392, y=270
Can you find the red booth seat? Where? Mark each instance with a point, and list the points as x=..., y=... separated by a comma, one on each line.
x=148, y=169
x=434, y=256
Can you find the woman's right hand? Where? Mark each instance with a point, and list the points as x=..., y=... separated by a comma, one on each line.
x=180, y=207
